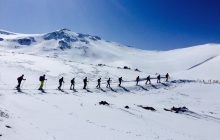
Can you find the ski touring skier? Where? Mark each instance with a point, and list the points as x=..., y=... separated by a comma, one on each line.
x=148, y=80
x=120, y=80
x=158, y=78
x=99, y=83
x=42, y=79
x=167, y=76
x=85, y=81
x=72, y=86
x=61, y=81
x=108, y=83
x=137, y=80
x=20, y=79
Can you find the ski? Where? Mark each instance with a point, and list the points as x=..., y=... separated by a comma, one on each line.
x=63, y=91
x=42, y=90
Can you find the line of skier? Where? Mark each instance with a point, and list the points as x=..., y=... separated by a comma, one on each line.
x=42, y=80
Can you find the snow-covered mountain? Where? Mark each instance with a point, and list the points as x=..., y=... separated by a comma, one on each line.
x=77, y=115
x=83, y=48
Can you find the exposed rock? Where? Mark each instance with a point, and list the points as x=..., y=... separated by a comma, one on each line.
x=104, y=103
x=147, y=107
x=127, y=107
x=61, y=34
x=126, y=67
x=26, y=41
x=4, y=114
x=137, y=70
x=8, y=126
x=64, y=45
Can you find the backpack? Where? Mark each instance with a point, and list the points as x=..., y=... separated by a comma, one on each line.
x=61, y=80
x=41, y=78
x=19, y=78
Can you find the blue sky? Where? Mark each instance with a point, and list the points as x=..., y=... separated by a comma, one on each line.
x=145, y=24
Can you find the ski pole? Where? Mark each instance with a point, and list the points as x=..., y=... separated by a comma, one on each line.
x=63, y=85
x=45, y=84
x=23, y=83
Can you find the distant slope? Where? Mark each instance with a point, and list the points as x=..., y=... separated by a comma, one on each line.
x=83, y=48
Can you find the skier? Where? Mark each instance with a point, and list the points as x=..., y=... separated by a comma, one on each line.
x=120, y=80
x=99, y=82
x=148, y=80
x=42, y=79
x=167, y=77
x=137, y=80
x=108, y=83
x=158, y=78
x=19, y=81
x=85, y=82
x=61, y=81
x=72, y=84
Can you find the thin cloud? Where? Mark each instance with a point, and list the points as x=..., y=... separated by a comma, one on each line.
x=120, y=6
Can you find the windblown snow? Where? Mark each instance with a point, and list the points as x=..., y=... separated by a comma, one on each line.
x=68, y=115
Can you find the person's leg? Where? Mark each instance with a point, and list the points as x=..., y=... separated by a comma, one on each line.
x=41, y=85
x=84, y=87
x=18, y=86
x=59, y=86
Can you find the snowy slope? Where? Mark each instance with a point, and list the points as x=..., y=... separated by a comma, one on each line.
x=77, y=115
x=89, y=49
